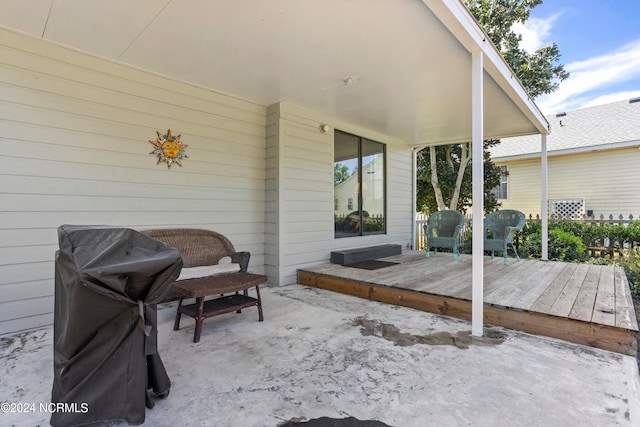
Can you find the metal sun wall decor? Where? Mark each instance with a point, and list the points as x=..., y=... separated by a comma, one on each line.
x=169, y=149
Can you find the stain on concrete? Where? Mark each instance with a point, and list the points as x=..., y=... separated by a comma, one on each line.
x=461, y=339
x=13, y=347
x=586, y=351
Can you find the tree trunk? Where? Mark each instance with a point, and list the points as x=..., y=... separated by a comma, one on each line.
x=464, y=161
x=434, y=179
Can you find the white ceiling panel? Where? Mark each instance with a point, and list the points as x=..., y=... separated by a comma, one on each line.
x=102, y=27
x=414, y=75
x=27, y=16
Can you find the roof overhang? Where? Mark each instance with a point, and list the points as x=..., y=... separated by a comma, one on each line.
x=411, y=58
x=569, y=151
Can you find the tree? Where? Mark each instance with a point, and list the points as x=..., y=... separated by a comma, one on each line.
x=540, y=72
x=340, y=173
x=453, y=186
x=448, y=185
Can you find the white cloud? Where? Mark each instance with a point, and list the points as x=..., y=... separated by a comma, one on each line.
x=535, y=32
x=610, y=97
x=590, y=77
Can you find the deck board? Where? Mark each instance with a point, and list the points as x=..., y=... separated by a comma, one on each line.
x=514, y=280
x=437, y=272
x=625, y=313
x=538, y=287
x=450, y=280
x=568, y=301
x=504, y=276
x=521, y=285
x=495, y=268
x=604, y=311
x=550, y=295
x=585, y=301
x=567, y=297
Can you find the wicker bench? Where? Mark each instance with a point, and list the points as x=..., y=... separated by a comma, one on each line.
x=203, y=275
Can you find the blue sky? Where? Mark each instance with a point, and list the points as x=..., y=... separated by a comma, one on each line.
x=599, y=41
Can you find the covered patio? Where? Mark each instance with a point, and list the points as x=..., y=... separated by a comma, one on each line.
x=580, y=303
x=257, y=91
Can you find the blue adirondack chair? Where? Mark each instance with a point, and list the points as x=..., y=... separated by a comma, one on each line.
x=442, y=229
x=502, y=224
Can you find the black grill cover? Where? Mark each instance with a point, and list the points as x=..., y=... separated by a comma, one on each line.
x=107, y=284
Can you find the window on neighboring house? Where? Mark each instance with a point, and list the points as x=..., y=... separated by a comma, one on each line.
x=501, y=191
x=336, y=204
x=359, y=170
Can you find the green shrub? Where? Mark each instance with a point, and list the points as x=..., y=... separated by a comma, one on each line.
x=468, y=243
x=617, y=234
x=531, y=228
x=631, y=263
x=633, y=234
x=568, y=241
x=575, y=228
x=531, y=247
x=563, y=246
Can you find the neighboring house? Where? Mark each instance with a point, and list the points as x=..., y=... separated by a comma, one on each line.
x=259, y=92
x=593, y=164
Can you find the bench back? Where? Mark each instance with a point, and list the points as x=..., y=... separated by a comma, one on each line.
x=197, y=247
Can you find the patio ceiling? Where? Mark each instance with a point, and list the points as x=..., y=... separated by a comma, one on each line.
x=411, y=58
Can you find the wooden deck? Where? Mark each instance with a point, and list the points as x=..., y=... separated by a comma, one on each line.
x=581, y=303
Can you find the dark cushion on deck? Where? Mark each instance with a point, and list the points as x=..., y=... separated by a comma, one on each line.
x=349, y=256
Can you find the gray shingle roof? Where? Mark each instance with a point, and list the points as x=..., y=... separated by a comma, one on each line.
x=615, y=123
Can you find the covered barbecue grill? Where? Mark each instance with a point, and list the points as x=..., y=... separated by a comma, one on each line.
x=107, y=284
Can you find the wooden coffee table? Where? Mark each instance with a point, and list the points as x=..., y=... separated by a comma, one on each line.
x=202, y=287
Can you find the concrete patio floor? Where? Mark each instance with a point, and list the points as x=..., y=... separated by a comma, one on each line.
x=323, y=354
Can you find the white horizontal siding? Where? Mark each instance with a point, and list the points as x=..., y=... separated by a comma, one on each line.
x=306, y=190
x=306, y=228
x=608, y=180
x=74, y=138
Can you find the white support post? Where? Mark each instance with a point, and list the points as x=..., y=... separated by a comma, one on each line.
x=477, y=139
x=544, y=210
x=414, y=191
